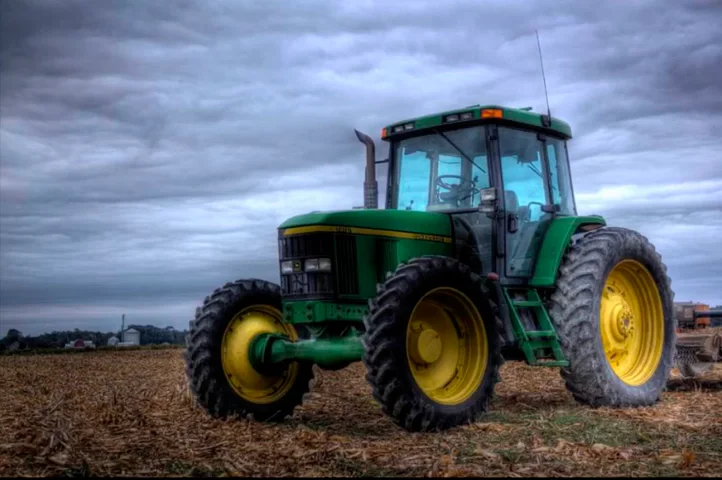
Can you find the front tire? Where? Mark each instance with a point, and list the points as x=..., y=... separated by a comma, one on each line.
x=432, y=345
x=217, y=363
x=613, y=312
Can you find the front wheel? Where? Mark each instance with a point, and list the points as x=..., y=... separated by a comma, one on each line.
x=432, y=345
x=613, y=312
x=218, y=366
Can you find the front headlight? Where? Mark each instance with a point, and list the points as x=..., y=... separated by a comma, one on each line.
x=317, y=265
x=324, y=264
x=287, y=266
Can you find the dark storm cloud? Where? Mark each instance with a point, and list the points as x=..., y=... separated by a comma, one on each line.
x=149, y=149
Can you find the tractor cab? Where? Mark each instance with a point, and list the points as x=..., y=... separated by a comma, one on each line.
x=501, y=182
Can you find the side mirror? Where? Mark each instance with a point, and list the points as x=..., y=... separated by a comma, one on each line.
x=551, y=208
x=488, y=200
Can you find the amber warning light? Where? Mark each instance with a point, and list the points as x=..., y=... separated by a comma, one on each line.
x=492, y=113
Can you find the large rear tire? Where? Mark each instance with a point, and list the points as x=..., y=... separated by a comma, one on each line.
x=613, y=312
x=218, y=368
x=432, y=345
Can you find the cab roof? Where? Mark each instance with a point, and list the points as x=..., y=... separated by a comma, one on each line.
x=476, y=114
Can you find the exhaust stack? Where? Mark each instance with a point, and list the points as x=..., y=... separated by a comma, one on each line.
x=371, y=188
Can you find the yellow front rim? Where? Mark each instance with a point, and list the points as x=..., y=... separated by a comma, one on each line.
x=446, y=346
x=632, y=322
x=245, y=380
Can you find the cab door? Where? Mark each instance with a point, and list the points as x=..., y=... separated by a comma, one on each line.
x=525, y=189
x=474, y=229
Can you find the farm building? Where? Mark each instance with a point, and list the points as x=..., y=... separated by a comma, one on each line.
x=131, y=338
x=113, y=341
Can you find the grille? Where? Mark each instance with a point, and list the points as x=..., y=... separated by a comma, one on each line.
x=305, y=246
x=346, y=256
x=320, y=285
x=309, y=285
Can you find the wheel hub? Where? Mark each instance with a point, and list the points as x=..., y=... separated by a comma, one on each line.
x=622, y=325
x=619, y=325
x=426, y=346
x=238, y=339
x=446, y=346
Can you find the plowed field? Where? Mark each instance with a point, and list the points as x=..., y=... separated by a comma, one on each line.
x=128, y=413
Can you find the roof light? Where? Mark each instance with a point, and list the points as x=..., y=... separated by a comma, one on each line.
x=492, y=113
x=455, y=117
x=398, y=128
x=384, y=133
x=409, y=126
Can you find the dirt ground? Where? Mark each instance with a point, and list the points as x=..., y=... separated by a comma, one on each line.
x=127, y=413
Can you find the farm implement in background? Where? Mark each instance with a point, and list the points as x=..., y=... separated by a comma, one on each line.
x=698, y=346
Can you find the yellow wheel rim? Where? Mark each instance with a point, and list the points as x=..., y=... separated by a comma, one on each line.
x=245, y=380
x=632, y=322
x=446, y=346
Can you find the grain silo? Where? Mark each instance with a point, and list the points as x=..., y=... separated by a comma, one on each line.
x=113, y=341
x=131, y=336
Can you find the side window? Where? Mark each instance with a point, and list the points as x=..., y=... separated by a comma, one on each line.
x=561, y=179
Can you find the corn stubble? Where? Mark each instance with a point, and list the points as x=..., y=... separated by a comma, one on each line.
x=131, y=413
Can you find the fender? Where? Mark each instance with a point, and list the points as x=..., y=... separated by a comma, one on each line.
x=555, y=244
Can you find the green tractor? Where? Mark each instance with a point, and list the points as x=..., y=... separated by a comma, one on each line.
x=479, y=257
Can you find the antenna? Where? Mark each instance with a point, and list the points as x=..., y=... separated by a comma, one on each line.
x=541, y=60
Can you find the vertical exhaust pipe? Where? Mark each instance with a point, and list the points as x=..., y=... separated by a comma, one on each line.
x=371, y=188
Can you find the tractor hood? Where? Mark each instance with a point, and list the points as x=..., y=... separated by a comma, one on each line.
x=424, y=223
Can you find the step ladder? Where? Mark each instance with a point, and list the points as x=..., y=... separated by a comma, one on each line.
x=535, y=344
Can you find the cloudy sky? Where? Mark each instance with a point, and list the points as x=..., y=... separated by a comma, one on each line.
x=150, y=149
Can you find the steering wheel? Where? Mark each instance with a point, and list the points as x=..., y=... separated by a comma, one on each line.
x=455, y=191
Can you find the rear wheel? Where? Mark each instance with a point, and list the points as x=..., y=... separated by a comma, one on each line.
x=613, y=311
x=432, y=345
x=217, y=356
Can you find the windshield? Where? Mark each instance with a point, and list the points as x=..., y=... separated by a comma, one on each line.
x=441, y=171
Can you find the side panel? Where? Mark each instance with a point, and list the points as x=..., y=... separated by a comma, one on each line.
x=555, y=243
x=379, y=255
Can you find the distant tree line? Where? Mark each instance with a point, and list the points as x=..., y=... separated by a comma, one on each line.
x=149, y=335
